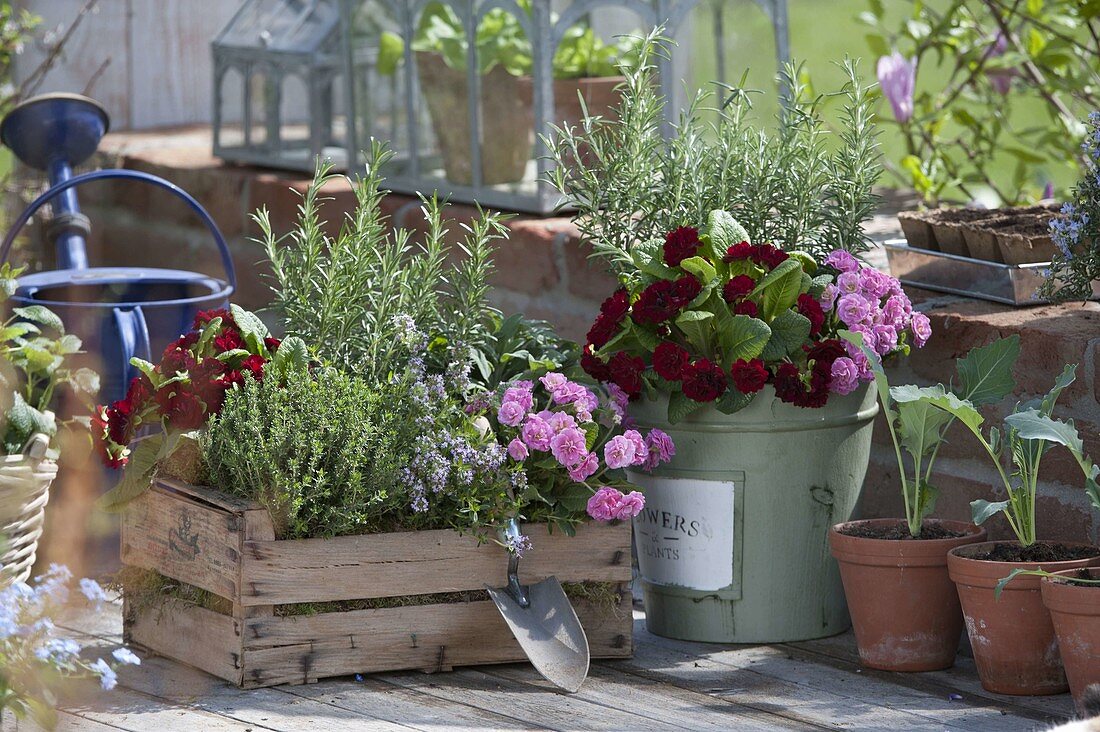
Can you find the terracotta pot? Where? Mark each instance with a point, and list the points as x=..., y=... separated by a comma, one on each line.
x=1012, y=637
x=917, y=230
x=507, y=121
x=1075, y=612
x=904, y=607
x=601, y=97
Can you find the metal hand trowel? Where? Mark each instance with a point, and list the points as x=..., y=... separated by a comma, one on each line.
x=544, y=622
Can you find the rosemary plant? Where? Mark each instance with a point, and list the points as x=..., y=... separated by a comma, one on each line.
x=344, y=293
x=801, y=187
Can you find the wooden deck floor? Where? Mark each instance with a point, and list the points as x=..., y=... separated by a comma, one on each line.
x=668, y=685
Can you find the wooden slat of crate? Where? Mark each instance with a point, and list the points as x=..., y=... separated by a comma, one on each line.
x=427, y=637
x=422, y=562
x=189, y=540
x=193, y=635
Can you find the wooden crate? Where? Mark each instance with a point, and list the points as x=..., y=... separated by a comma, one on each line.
x=227, y=546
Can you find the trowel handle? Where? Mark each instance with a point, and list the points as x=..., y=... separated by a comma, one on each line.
x=511, y=534
x=137, y=175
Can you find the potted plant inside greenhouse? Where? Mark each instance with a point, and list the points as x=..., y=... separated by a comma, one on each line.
x=401, y=416
x=724, y=335
x=36, y=371
x=586, y=70
x=904, y=606
x=1010, y=629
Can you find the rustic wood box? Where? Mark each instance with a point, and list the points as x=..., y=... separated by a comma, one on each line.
x=227, y=546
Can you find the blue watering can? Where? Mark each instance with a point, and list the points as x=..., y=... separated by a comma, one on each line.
x=118, y=312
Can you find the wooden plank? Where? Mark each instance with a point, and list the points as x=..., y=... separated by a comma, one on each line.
x=609, y=687
x=533, y=704
x=192, y=635
x=211, y=496
x=769, y=678
x=423, y=562
x=184, y=539
x=376, y=698
x=961, y=679
x=261, y=708
x=129, y=710
x=304, y=649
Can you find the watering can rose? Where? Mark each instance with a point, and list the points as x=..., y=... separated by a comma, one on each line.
x=709, y=317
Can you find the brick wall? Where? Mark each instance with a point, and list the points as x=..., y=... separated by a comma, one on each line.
x=544, y=271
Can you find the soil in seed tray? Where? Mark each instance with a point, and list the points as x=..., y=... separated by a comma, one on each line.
x=900, y=532
x=960, y=215
x=1028, y=228
x=1038, y=552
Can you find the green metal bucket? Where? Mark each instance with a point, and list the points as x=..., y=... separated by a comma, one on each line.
x=733, y=541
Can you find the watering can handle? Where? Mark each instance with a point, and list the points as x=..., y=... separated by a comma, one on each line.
x=133, y=334
x=227, y=259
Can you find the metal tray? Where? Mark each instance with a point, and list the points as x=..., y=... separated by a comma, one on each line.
x=1012, y=284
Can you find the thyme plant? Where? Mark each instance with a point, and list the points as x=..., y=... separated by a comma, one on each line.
x=342, y=293
x=802, y=187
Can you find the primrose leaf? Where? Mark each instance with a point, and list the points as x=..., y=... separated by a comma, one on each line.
x=679, y=407
x=744, y=338
x=780, y=288
x=699, y=267
x=725, y=231
x=733, y=401
x=788, y=332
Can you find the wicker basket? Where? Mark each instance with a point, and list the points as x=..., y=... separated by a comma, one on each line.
x=24, y=490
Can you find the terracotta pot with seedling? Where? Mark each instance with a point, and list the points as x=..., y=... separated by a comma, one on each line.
x=904, y=606
x=586, y=78
x=1014, y=641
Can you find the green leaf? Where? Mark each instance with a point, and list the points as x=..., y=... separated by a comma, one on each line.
x=17, y=330
x=696, y=327
x=146, y=368
x=780, y=288
x=926, y=499
x=136, y=476
x=981, y=510
x=961, y=409
x=788, y=332
x=744, y=339
x=391, y=50
x=699, y=267
x=1003, y=582
x=293, y=353
x=679, y=407
x=1032, y=425
x=42, y=315
x=920, y=425
x=733, y=401
x=881, y=384
x=985, y=373
x=252, y=328
x=725, y=231
x=1069, y=373
x=226, y=356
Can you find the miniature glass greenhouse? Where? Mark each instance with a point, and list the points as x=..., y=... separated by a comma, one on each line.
x=462, y=90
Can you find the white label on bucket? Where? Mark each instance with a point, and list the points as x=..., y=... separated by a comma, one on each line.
x=685, y=532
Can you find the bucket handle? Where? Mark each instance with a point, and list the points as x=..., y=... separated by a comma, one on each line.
x=136, y=175
x=133, y=334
